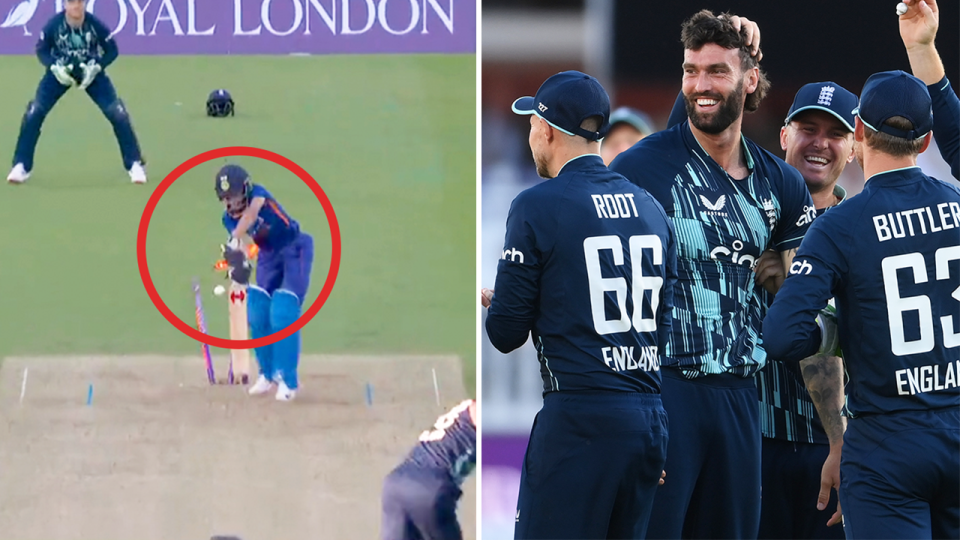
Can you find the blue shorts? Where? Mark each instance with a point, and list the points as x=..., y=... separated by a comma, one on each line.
x=712, y=488
x=791, y=485
x=592, y=465
x=900, y=475
x=419, y=504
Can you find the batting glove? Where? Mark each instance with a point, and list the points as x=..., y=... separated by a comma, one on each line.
x=62, y=73
x=829, y=335
x=90, y=71
x=240, y=274
x=238, y=267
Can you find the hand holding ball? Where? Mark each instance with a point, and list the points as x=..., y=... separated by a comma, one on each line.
x=901, y=9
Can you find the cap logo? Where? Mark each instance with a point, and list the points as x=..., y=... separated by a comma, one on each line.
x=826, y=95
x=224, y=183
x=542, y=107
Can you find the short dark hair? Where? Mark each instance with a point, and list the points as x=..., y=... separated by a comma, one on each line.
x=704, y=28
x=592, y=123
x=888, y=144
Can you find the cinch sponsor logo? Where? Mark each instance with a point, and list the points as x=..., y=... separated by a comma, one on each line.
x=246, y=17
x=735, y=255
x=801, y=267
x=809, y=214
x=512, y=255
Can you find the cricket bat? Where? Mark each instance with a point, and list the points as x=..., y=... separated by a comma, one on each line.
x=237, y=309
x=239, y=329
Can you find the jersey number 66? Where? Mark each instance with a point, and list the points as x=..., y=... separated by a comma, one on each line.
x=600, y=285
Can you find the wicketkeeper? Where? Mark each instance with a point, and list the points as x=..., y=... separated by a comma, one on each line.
x=284, y=263
x=76, y=48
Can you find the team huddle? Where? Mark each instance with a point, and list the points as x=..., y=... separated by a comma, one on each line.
x=807, y=376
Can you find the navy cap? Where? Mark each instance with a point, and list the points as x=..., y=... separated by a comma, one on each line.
x=565, y=100
x=826, y=96
x=232, y=180
x=630, y=116
x=896, y=93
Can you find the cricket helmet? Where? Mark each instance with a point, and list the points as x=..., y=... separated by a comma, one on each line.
x=219, y=104
x=233, y=186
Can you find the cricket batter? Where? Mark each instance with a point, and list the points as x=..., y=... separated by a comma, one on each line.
x=76, y=47
x=420, y=495
x=588, y=268
x=283, y=273
x=729, y=200
x=891, y=258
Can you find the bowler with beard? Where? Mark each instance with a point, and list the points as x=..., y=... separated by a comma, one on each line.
x=729, y=201
x=587, y=271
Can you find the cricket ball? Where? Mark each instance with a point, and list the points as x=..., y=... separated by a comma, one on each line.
x=901, y=8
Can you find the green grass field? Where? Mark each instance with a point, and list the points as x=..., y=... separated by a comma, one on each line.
x=391, y=140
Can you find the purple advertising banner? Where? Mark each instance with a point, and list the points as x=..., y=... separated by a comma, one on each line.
x=260, y=26
x=501, y=461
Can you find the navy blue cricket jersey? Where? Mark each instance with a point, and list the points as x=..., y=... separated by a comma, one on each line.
x=273, y=228
x=891, y=258
x=946, y=123
x=787, y=412
x=450, y=446
x=588, y=267
x=90, y=41
x=722, y=225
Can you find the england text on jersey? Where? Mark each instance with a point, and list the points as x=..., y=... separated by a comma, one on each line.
x=924, y=379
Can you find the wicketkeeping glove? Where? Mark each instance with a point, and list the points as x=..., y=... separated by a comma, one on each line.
x=90, y=71
x=829, y=335
x=62, y=73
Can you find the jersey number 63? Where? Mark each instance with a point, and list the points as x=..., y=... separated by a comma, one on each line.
x=600, y=285
x=897, y=305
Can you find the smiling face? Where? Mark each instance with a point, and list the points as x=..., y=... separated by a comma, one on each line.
x=715, y=86
x=819, y=146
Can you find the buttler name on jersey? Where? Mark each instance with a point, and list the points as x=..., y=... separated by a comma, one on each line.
x=941, y=217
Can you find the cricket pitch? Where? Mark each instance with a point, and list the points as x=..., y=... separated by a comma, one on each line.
x=160, y=454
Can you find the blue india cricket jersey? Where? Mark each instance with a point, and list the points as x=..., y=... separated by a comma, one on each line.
x=588, y=269
x=451, y=445
x=273, y=228
x=723, y=225
x=891, y=258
